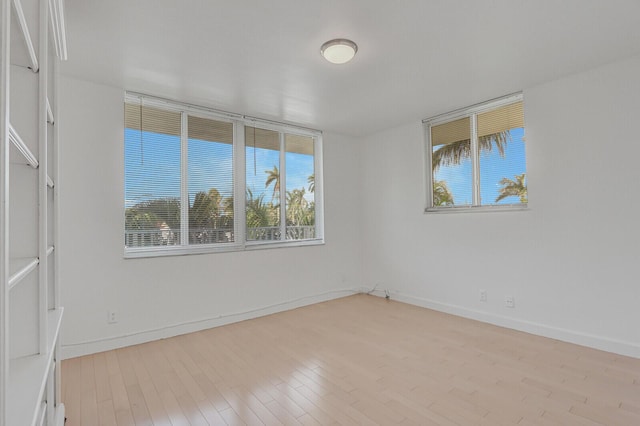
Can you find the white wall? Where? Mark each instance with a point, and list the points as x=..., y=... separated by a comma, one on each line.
x=158, y=297
x=571, y=260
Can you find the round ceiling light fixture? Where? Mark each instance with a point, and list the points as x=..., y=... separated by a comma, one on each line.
x=339, y=50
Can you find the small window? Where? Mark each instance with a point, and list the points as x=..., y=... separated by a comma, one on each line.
x=476, y=157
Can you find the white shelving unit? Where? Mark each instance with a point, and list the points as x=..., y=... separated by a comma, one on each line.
x=32, y=43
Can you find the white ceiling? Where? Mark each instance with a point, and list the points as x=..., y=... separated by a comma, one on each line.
x=416, y=58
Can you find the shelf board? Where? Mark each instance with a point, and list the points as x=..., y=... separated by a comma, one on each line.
x=22, y=147
x=20, y=268
x=58, y=26
x=50, y=119
x=26, y=35
x=43, y=413
x=28, y=377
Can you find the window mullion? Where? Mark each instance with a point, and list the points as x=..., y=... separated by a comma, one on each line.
x=428, y=169
x=184, y=180
x=239, y=185
x=475, y=160
x=283, y=193
x=318, y=182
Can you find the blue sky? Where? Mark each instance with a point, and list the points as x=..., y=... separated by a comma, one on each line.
x=493, y=168
x=299, y=168
x=152, y=168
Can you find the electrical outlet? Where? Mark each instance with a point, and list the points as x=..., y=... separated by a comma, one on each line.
x=483, y=295
x=112, y=317
x=509, y=302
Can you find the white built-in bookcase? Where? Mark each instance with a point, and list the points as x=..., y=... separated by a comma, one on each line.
x=32, y=44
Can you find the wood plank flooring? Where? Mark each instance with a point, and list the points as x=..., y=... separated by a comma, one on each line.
x=356, y=360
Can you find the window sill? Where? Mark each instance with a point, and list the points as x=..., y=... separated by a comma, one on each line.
x=257, y=245
x=161, y=251
x=477, y=209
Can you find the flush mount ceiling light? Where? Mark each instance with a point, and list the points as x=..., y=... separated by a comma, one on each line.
x=339, y=50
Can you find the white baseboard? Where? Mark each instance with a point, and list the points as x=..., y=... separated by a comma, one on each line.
x=115, y=342
x=584, y=339
x=571, y=336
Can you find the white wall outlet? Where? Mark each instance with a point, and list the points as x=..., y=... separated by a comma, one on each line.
x=509, y=302
x=112, y=317
x=483, y=295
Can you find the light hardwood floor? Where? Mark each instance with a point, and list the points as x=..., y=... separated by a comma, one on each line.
x=357, y=360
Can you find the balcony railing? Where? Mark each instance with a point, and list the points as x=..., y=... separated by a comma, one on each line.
x=151, y=238
x=273, y=233
x=167, y=237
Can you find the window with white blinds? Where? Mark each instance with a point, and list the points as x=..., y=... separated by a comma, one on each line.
x=153, y=204
x=476, y=157
x=300, y=187
x=210, y=181
x=263, y=194
x=280, y=180
x=183, y=190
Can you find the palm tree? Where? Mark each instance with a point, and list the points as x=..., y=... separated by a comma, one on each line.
x=441, y=194
x=273, y=176
x=297, y=208
x=228, y=204
x=227, y=212
x=202, y=212
x=514, y=188
x=259, y=214
x=216, y=207
x=312, y=182
x=454, y=153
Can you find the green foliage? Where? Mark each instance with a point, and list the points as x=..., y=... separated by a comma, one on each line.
x=211, y=210
x=514, y=188
x=311, y=180
x=259, y=213
x=441, y=194
x=135, y=219
x=151, y=214
x=452, y=154
x=299, y=211
x=273, y=176
x=201, y=212
x=228, y=206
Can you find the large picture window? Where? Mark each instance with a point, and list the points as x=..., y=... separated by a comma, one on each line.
x=190, y=171
x=476, y=157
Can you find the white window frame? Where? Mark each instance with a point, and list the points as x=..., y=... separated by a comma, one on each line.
x=472, y=113
x=239, y=179
x=283, y=129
